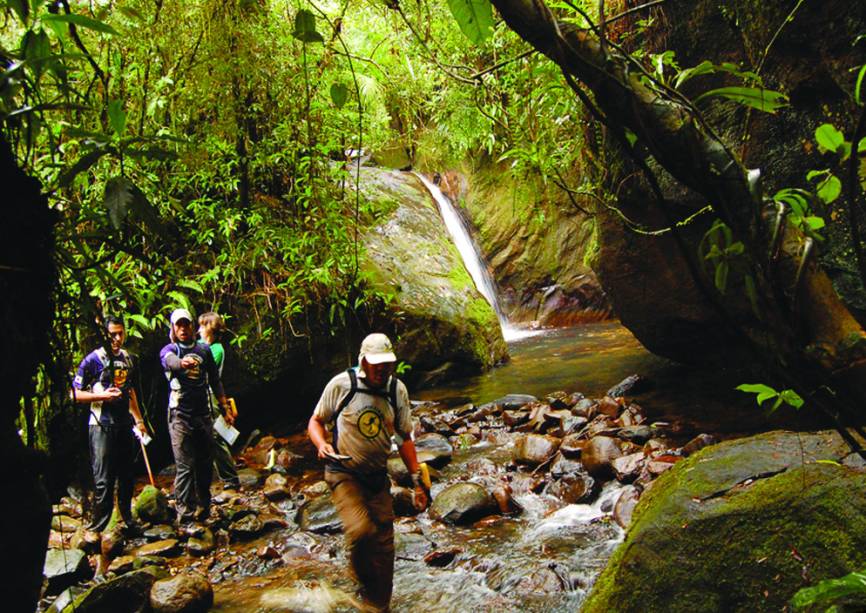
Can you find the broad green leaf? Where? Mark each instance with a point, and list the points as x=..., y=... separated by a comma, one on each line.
x=36, y=49
x=475, y=18
x=737, y=248
x=705, y=67
x=814, y=222
x=118, y=195
x=765, y=100
x=764, y=396
x=792, y=398
x=828, y=138
x=141, y=320
x=776, y=404
x=84, y=163
x=117, y=116
x=180, y=299
x=827, y=593
x=829, y=189
x=816, y=173
x=754, y=388
x=631, y=137
x=305, y=28
x=82, y=21
x=861, y=146
x=190, y=284
x=339, y=95
x=858, y=87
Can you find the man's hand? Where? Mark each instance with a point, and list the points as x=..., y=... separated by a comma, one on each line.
x=188, y=361
x=112, y=393
x=228, y=416
x=420, y=500
x=141, y=427
x=326, y=449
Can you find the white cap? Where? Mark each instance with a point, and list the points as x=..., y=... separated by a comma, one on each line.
x=179, y=314
x=376, y=349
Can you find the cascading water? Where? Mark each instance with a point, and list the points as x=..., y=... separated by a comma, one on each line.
x=472, y=259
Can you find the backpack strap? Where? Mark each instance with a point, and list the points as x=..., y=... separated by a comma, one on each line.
x=353, y=389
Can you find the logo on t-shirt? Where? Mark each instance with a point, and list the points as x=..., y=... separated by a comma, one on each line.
x=194, y=373
x=120, y=375
x=370, y=423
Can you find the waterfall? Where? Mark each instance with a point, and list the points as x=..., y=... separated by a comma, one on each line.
x=471, y=256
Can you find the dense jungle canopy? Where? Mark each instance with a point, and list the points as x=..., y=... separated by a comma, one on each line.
x=208, y=155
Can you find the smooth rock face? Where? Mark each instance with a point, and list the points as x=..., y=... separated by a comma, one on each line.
x=577, y=488
x=152, y=506
x=740, y=500
x=160, y=532
x=597, y=455
x=250, y=478
x=201, y=544
x=185, y=593
x=128, y=593
x=462, y=503
x=319, y=515
x=246, y=527
x=168, y=547
x=625, y=504
x=64, y=567
x=535, y=449
x=626, y=468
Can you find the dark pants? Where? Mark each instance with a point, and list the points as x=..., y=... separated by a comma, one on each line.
x=367, y=513
x=111, y=454
x=191, y=443
x=224, y=462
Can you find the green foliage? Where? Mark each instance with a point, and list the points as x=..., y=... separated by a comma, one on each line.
x=833, y=594
x=475, y=18
x=719, y=248
x=765, y=392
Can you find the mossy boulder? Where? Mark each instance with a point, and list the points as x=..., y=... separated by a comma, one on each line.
x=445, y=327
x=739, y=526
x=151, y=506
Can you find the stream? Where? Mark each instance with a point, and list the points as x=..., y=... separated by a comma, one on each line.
x=545, y=558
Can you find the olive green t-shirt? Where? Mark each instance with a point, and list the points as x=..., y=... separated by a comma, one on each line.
x=365, y=426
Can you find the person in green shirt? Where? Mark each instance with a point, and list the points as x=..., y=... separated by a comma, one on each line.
x=211, y=328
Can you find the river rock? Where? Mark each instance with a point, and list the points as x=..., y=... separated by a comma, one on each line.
x=441, y=558
x=185, y=593
x=572, y=446
x=247, y=527
x=631, y=385
x=562, y=465
x=716, y=531
x=504, y=498
x=626, y=468
x=662, y=463
x=112, y=542
x=151, y=506
x=128, y=593
x=698, y=443
x=513, y=401
x=462, y=503
x=609, y=407
x=585, y=407
x=276, y=487
x=122, y=565
x=319, y=515
x=202, y=543
x=250, y=478
x=168, y=547
x=561, y=400
x=65, y=524
x=535, y=449
x=160, y=532
x=64, y=567
x=631, y=416
x=625, y=504
x=574, y=488
x=435, y=448
x=597, y=455
x=403, y=505
x=639, y=434
x=514, y=418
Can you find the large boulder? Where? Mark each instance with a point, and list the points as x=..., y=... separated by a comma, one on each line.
x=740, y=526
x=598, y=454
x=128, y=593
x=184, y=593
x=64, y=567
x=151, y=506
x=446, y=327
x=462, y=503
x=319, y=515
x=535, y=449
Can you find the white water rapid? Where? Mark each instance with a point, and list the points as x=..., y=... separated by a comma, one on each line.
x=472, y=259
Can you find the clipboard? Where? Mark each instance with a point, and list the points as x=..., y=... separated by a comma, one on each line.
x=228, y=433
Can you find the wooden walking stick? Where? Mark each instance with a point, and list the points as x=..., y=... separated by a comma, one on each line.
x=146, y=462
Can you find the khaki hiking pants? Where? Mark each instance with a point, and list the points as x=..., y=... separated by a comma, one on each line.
x=367, y=515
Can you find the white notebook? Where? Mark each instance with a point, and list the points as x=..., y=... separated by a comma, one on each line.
x=229, y=433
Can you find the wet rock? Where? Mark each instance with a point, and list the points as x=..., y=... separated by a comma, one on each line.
x=562, y=465
x=654, y=447
x=403, y=506
x=535, y=449
x=570, y=424
x=201, y=544
x=435, y=449
x=560, y=400
x=287, y=460
x=609, y=407
x=319, y=515
x=273, y=522
x=660, y=464
x=122, y=564
x=544, y=580
x=65, y=524
x=635, y=433
x=87, y=540
x=631, y=385
x=185, y=593
x=586, y=407
x=462, y=503
x=631, y=416
x=572, y=446
x=235, y=511
x=626, y=468
x=855, y=461
x=160, y=532
x=575, y=488
x=64, y=567
x=698, y=443
x=168, y=547
x=128, y=593
x=246, y=527
x=398, y=472
x=515, y=418
x=600, y=425
x=112, y=543
x=319, y=488
x=625, y=504
x=268, y=552
x=276, y=487
x=482, y=467
x=434, y=424
x=512, y=401
x=151, y=506
x=250, y=478
x=598, y=454
x=502, y=494
x=262, y=449
x=442, y=557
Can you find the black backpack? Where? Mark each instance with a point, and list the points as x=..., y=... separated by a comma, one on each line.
x=390, y=396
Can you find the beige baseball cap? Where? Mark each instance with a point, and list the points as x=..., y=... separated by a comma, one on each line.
x=179, y=314
x=377, y=348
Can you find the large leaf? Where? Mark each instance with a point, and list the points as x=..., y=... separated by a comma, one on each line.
x=829, y=138
x=305, y=27
x=859, y=85
x=475, y=18
x=80, y=20
x=21, y=7
x=339, y=95
x=36, y=49
x=118, y=197
x=117, y=116
x=850, y=589
x=84, y=162
x=765, y=100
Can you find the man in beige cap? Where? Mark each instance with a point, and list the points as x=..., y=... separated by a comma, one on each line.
x=365, y=407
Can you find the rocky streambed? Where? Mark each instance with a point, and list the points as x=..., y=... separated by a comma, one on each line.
x=530, y=497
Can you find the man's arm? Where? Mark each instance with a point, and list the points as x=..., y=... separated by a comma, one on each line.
x=170, y=361
x=83, y=378
x=318, y=435
x=410, y=459
x=135, y=411
x=216, y=384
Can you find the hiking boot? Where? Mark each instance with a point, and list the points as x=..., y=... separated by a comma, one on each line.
x=202, y=513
